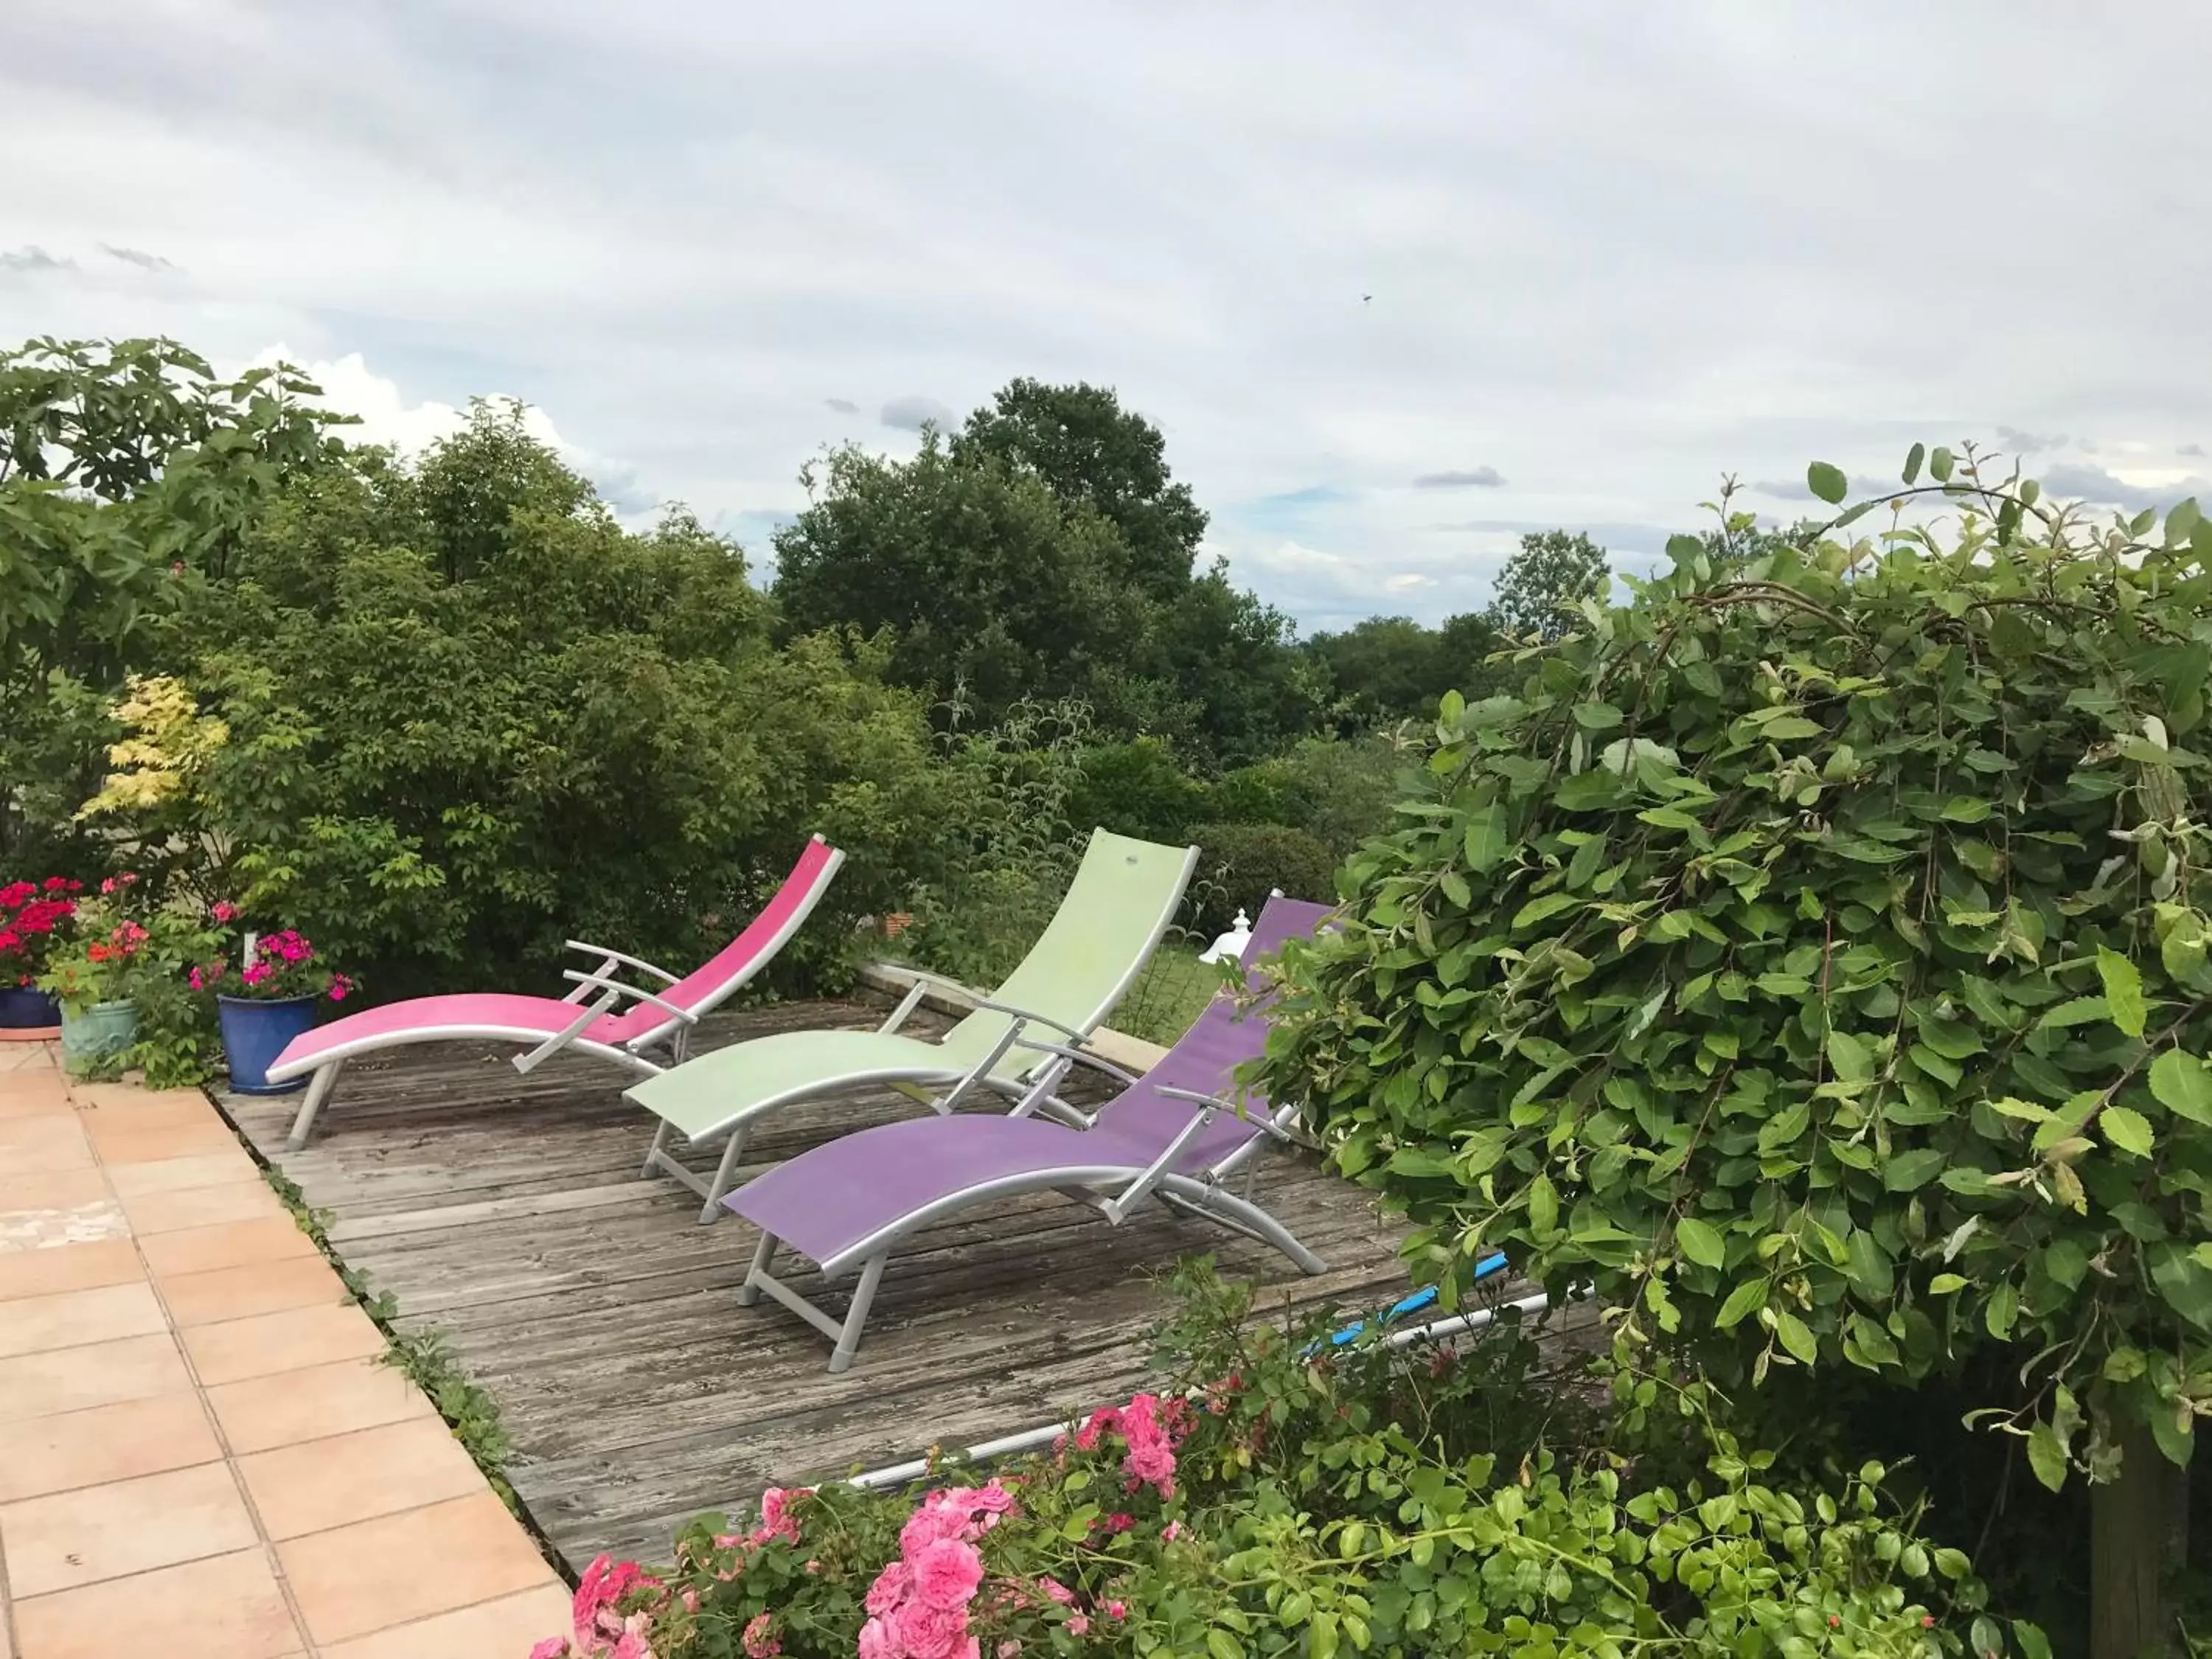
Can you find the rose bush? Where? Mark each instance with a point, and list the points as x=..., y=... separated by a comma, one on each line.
x=1417, y=1502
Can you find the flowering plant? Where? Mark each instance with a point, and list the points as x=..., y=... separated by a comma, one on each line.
x=33, y=917
x=1263, y=1507
x=103, y=961
x=274, y=967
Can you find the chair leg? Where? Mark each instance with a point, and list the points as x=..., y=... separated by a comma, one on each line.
x=712, y=1210
x=318, y=1091
x=1234, y=1212
x=654, y=1153
x=864, y=1294
x=749, y=1292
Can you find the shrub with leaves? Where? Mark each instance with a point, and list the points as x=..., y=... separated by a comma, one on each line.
x=1812, y=956
x=1439, y=1501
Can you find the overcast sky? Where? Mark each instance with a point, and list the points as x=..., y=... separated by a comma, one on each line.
x=1614, y=251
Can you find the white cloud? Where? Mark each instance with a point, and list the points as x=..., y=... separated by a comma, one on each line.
x=349, y=387
x=1609, y=260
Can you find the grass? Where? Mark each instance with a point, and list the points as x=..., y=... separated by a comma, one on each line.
x=1172, y=991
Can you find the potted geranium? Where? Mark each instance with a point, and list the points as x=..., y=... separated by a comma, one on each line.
x=94, y=978
x=35, y=917
x=271, y=998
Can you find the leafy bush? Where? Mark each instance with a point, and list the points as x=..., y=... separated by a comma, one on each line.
x=1339, y=791
x=1260, y=1506
x=1812, y=957
x=1011, y=849
x=1239, y=863
x=1137, y=788
x=438, y=742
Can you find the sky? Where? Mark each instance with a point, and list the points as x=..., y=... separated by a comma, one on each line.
x=1397, y=284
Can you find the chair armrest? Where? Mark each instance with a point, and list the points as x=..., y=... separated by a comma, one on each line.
x=613, y=956
x=622, y=990
x=922, y=979
x=1213, y=1104
x=1082, y=1056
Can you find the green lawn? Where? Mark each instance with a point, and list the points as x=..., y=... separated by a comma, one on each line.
x=1167, y=996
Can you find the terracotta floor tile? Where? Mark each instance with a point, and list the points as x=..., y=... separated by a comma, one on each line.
x=282, y=1410
x=505, y=1629
x=228, y=1244
x=225, y=1607
x=200, y=1207
x=130, y=1097
x=26, y=1094
x=293, y=1341
x=364, y=1578
x=51, y=1189
x=108, y=1443
x=27, y=1057
x=147, y=1113
x=69, y=1268
x=358, y=1476
x=258, y=1287
x=77, y=1379
x=32, y=1324
x=121, y=1141
x=170, y=1174
x=48, y=1141
x=68, y=1538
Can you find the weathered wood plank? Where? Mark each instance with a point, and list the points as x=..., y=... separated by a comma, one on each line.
x=507, y=1212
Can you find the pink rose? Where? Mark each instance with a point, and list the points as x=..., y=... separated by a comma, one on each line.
x=927, y=1632
x=889, y=1589
x=1058, y=1591
x=877, y=1640
x=946, y=1573
x=1078, y=1625
x=927, y=1525
x=1117, y=1610
x=758, y=1642
x=553, y=1647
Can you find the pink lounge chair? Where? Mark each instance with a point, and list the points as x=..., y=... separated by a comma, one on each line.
x=585, y=1020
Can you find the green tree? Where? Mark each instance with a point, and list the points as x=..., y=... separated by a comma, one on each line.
x=1812, y=957
x=1091, y=452
x=1543, y=586
x=982, y=574
x=129, y=472
x=584, y=730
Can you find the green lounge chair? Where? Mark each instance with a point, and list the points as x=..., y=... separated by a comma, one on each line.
x=1122, y=899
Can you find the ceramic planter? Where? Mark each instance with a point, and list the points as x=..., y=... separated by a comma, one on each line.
x=255, y=1031
x=103, y=1029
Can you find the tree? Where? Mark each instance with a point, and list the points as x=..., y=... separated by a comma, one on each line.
x=996, y=580
x=129, y=472
x=976, y=567
x=1543, y=584
x=1388, y=669
x=1812, y=956
x=1090, y=452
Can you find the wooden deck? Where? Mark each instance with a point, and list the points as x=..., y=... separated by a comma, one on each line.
x=507, y=1212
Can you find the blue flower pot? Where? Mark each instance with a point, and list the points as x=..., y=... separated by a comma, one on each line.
x=255, y=1032
x=24, y=1009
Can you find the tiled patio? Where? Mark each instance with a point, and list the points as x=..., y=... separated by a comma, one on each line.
x=199, y=1453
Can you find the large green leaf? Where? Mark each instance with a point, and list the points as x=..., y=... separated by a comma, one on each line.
x=1700, y=1241
x=1486, y=838
x=2183, y=1085
x=2124, y=992
x=1827, y=482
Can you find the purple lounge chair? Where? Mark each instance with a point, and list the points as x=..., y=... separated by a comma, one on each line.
x=1172, y=1134
x=585, y=1020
